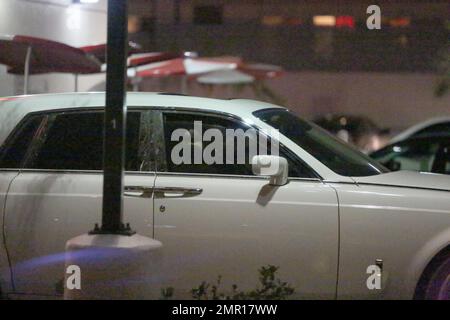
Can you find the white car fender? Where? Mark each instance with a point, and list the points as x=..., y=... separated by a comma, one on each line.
x=424, y=256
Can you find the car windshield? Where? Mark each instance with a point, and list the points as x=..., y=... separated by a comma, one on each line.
x=335, y=154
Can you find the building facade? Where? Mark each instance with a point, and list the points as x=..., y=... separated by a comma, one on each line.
x=304, y=35
x=58, y=20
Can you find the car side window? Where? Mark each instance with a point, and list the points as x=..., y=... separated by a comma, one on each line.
x=416, y=156
x=74, y=141
x=15, y=149
x=176, y=125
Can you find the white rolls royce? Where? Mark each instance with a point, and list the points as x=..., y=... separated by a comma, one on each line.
x=338, y=224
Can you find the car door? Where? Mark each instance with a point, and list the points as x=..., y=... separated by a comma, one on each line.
x=221, y=220
x=58, y=193
x=10, y=156
x=441, y=163
x=6, y=177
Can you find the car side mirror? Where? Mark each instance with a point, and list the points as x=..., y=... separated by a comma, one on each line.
x=274, y=167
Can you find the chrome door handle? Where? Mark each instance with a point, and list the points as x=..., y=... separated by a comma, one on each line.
x=177, y=191
x=169, y=192
x=138, y=191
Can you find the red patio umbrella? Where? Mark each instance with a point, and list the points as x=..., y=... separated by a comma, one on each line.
x=185, y=66
x=203, y=66
x=246, y=73
x=29, y=55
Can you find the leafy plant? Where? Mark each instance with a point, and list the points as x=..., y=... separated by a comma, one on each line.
x=167, y=293
x=270, y=288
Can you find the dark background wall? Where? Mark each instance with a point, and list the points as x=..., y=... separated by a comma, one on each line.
x=282, y=32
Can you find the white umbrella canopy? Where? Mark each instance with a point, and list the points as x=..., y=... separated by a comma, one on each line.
x=225, y=77
x=200, y=66
x=206, y=70
x=184, y=66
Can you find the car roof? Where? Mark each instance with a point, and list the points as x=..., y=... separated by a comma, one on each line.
x=415, y=139
x=418, y=127
x=13, y=109
x=141, y=99
x=426, y=136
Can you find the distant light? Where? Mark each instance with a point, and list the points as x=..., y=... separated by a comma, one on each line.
x=190, y=54
x=85, y=1
x=134, y=45
x=73, y=21
x=294, y=21
x=324, y=21
x=345, y=21
x=272, y=20
x=343, y=121
x=397, y=149
x=400, y=22
x=403, y=40
x=343, y=135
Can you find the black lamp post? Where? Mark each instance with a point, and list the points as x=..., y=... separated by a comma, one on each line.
x=115, y=121
x=139, y=254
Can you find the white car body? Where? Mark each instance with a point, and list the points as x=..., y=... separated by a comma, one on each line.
x=418, y=127
x=323, y=232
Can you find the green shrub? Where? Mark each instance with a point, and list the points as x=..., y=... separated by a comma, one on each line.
x=270, y=288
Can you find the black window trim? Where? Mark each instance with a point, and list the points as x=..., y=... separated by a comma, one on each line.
x=151, y=109
x=228, y=116
x=4, y=148
x=46, y=114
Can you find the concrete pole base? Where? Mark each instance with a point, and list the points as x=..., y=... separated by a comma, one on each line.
x=111, y=267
